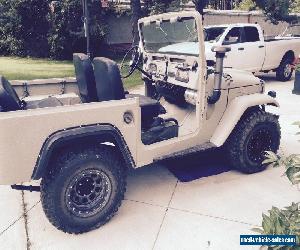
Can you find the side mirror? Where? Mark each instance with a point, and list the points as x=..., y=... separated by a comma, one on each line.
x=231, y=40
x=221, y=49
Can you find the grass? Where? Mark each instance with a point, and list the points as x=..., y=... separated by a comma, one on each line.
x=15, y=68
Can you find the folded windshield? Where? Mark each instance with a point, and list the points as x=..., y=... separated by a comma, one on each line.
x=160, y=36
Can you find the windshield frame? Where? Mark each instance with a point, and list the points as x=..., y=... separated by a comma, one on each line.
x=169, y=17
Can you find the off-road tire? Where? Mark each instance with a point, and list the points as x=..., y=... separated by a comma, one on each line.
x=65, y=170
x=257, y=131
x=281, y=73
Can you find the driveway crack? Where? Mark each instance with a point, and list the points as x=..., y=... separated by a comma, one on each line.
x=24, y=205
x=167, y=208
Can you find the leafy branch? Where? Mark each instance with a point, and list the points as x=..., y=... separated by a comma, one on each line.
x=283, y=221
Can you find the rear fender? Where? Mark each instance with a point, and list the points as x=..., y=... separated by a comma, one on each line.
x=78, y=134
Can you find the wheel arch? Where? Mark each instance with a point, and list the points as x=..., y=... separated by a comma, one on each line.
x=238, y=107
x=289, y=54
x=97, y=133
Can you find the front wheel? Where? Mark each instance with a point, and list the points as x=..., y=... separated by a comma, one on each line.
x=83, y=189
x=257, y=132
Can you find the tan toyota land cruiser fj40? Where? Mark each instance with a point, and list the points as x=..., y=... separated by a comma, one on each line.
x=81, y=152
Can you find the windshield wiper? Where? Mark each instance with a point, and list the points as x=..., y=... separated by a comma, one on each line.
x=165, y=33
x=192, y=34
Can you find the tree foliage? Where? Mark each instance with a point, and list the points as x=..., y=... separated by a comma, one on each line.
x=276, y=10
x=247, y=5
x=39, y=29
x=24, y=27
x=295, y=6
x=66, y=34
x=160, y=6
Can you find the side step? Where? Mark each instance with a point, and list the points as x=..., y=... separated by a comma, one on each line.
x=195, y=149
x=26, y=188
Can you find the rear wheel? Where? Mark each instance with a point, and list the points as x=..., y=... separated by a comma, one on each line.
x=257, y=132
x=84, y=189
x=285, y=70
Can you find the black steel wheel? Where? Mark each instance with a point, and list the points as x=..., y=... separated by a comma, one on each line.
x=259, y=141
x=256, y=133
x=88, y=193
x=83, y=188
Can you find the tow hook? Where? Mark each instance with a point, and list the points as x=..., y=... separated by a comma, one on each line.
x=26, y=188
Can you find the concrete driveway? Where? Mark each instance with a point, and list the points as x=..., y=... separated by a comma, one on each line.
x=161, y=213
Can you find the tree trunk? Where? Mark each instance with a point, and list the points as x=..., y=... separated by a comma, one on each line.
x=136, y=14
x=200, y=5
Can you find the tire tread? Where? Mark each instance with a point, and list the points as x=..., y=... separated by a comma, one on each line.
x=61, y=163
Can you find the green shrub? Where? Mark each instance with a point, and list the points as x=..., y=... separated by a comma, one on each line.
x=282, y=222
x=287, y=220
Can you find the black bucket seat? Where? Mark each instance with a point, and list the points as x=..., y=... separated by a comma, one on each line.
x=101, y=81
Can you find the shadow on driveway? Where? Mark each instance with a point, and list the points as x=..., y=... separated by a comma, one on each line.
x=198, y=165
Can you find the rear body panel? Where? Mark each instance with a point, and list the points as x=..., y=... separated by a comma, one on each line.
x=24, y=132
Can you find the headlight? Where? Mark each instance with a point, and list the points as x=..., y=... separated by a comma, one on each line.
x=152, y=68
x=182, y=75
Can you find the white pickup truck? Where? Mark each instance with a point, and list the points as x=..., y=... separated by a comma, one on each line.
x=250, y=50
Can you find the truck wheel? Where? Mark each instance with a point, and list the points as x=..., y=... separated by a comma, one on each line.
x=284, y=72
x=256, y=132
x=83, y=189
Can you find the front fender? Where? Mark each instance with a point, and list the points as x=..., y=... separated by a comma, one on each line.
x=234, y=112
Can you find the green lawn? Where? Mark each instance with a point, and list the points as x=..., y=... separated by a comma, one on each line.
x=14, y=68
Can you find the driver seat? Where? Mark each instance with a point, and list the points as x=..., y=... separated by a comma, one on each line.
x=109, y=86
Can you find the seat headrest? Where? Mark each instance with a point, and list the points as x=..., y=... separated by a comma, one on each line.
x=108, y=79
x=85, y=78
x=9, y=100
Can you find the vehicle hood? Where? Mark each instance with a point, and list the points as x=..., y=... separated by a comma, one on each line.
x=190, y=48
x=234, y=78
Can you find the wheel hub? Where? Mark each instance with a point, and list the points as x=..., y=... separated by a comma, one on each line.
x=260, y=141
x=88, y=193
x=287, y=70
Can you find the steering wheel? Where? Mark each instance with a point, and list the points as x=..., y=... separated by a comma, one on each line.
x=130, y=61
